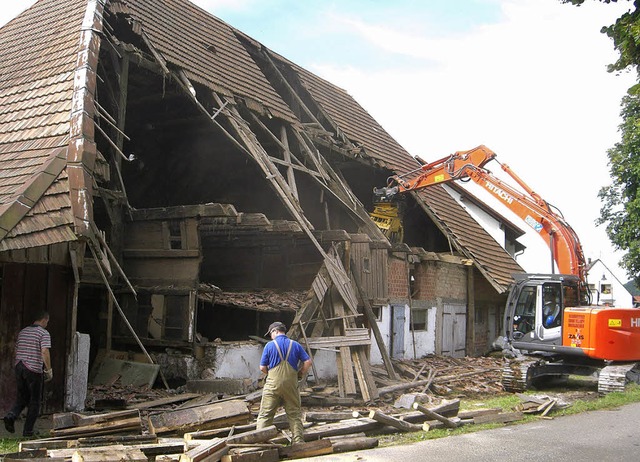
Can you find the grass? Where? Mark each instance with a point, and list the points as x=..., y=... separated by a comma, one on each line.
x=9, y=445
x=508, y=403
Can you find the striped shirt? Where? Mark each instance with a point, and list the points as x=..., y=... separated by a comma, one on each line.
x=31, y=341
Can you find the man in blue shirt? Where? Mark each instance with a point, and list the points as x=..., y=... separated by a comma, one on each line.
x=280, y=360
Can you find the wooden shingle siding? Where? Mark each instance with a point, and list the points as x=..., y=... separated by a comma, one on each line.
x=37, y=65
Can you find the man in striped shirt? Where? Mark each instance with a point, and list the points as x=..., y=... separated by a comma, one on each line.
x=32, y=354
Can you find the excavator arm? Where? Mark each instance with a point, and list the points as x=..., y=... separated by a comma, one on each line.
x=561, y=239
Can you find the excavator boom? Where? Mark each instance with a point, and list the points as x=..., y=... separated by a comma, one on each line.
x=561, y=239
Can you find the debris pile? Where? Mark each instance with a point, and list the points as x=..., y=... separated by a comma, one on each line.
x=166, y=425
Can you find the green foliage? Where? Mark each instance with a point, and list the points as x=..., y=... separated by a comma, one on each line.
x=9, y=445
x=625, y=33
x=620, y=209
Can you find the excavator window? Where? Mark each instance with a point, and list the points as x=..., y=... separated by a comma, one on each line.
x=525, y=312
x=551, y=305
x=571, y=296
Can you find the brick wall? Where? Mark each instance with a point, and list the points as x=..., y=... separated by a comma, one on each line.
x=398, y=277
x=440, y=279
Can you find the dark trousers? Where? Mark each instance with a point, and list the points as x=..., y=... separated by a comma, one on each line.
x=29, y=394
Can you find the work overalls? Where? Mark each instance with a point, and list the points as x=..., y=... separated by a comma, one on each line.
x=281, y=386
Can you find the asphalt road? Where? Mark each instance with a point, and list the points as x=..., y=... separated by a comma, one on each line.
x=612, y=435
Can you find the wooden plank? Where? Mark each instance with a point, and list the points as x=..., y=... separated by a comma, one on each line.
x=401, y=425
x=74, y=419
x=148, y=449
x=353, y=444
x=335, y=341
x=218, y=432
x=503, y=417
x=121, y=454
x=133, y=424
x=373, y=324
x=344, y=427
x=164, y=401
x=263, y=455
x=344, y=363
x=363, y=372
x=333, y=416
x=204, y=417
x=310, y=449
x=434, y=415
x=116, y=439
x=204, y=451
x=254, y=436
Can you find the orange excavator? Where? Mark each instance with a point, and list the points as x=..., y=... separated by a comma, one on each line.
x=550, y=328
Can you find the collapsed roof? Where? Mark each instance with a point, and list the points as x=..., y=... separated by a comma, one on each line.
x=49, y=160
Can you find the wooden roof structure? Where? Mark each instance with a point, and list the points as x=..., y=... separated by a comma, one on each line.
x=48, y=68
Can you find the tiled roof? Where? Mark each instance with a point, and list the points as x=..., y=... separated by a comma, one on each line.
x=358, y=125
x=37, y=64
x=38, y=55
x=206, y=49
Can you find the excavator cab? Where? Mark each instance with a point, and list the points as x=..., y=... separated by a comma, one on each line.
x=534, y=311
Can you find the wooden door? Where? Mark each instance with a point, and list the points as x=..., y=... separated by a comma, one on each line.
x=454, y=330
x=397, y=331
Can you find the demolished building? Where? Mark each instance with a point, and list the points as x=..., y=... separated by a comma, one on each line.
x=170, y=186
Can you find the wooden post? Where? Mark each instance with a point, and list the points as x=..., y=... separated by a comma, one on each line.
x=448, y=422
x=291, y=179
x=471, y=315
x=306, y=343
x=401, y=425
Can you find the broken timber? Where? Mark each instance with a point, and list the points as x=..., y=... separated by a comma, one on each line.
x=203, y=417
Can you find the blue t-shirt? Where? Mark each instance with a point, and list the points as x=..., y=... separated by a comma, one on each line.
x=271, y=358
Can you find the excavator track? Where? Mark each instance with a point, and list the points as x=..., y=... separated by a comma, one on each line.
x=516, y=376
x=614, y=378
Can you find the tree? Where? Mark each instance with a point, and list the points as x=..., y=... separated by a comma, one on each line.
x=620, y=210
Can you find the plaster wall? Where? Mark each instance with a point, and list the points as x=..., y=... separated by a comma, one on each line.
x=416, y=344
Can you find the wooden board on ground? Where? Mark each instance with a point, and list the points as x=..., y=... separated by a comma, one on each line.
x=204, y=417
x=262, y=455
x=310, y=449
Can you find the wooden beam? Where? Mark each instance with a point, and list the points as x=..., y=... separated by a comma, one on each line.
x=401, y=425
x=310, y=449
x=434, y=415
x=203, y=451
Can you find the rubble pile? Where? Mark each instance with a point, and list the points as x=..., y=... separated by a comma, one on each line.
x=172, y=425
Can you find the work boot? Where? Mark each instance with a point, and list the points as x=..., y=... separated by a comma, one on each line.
x=8, y=424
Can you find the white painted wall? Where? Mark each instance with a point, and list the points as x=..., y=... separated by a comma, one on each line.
x=600, y=277
x=242, y=361
x=236, y=360
x=487, y=221
x=425, y=341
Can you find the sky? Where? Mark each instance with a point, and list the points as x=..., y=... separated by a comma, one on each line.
x=527, y=78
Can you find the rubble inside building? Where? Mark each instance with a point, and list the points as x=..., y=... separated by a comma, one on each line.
x=170, y=186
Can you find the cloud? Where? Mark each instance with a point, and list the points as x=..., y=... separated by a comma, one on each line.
x=532, y=86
